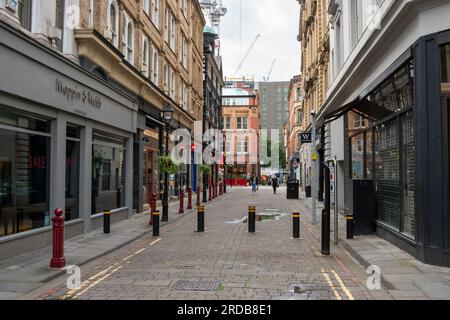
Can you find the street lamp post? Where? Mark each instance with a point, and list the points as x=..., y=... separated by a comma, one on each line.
x=314, y=168
x=166, y=116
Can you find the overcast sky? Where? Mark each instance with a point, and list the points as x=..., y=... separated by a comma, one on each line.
x=277, y=23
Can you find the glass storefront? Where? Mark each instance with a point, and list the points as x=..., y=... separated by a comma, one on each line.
x=72, y=173
x=24, y=172
x=108, y=169
x=395, y=152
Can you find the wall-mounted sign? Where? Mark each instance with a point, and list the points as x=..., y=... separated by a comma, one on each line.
x=73, y=93
x=151, y=133
x=305, y=137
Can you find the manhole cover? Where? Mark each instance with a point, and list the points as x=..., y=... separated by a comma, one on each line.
x=207, y=285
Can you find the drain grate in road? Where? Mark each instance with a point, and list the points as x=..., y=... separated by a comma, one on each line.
x=198, y=285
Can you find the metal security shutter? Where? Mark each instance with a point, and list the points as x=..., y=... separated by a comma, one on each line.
x=388, y=173
x=408, y=170
x=348, y=183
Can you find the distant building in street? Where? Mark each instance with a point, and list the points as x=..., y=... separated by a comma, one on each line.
x=241, y=123
x=294, y=127
x=212, y=91
x=274, y=108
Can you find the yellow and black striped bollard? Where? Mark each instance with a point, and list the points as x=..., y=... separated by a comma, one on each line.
x=200, y=219
x=296, y=224
x=155, y=223
x=350, y=226
x=251, y=219
x=106, y=221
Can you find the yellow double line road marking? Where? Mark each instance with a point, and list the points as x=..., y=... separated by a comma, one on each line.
x=341, y=284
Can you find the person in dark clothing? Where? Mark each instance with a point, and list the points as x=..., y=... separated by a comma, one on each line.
x=274, y=182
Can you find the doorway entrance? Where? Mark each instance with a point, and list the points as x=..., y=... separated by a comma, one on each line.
x=151, y=174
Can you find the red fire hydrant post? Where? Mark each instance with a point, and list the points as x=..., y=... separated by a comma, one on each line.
x=181, y=201
x=198, y=196
x=189, y=206
x=58, y=260
x=152, y=207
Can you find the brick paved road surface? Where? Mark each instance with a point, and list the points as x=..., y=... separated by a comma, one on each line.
x=226, y=260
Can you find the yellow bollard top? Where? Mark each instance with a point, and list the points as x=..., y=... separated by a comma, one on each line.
x=106, y=211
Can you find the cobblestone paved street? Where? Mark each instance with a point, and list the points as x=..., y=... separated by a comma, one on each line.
x=269, y=264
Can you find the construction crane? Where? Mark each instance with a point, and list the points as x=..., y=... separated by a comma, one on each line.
x=215, y=10
x=270, y=71
x=246, y=55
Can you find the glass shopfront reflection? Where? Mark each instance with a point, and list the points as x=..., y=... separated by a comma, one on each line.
x=72, y=173
x=24, y=172
x=108, y=169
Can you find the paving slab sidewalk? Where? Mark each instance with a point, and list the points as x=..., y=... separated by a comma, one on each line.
x=21, y=274
x=402, y=276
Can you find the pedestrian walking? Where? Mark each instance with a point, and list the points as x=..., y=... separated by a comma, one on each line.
x=275, y=184
x=254, y=183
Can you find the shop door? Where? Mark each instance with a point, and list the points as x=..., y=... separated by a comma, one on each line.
x=150, y=174
x=407, y=184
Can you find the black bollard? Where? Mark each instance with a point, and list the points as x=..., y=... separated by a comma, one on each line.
x=251, y=219
x=296, y=222
x=326, y=214
x=200, y=219
x=350, y=226
x=106, y=221
x=156, y=223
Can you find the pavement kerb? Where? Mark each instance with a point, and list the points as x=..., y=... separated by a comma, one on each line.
x=86, y=261
x=343, y=243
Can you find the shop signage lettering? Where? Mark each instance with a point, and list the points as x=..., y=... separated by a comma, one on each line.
x=73, y=93
x=305, y=137
x=151, y=133
x=37, y=162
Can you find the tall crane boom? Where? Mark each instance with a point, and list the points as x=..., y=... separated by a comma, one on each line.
x=246, y=55
x=270, y=71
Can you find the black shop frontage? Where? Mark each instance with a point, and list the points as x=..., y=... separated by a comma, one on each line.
x=397, y=151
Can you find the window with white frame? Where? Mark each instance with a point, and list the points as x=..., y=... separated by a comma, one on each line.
x=147, y=6
x=172, y=83
x=166, y=25
x=166, y=78
x=183, y=95
x=154, y=65
x=113, y=22
x=145, y=55
x=130, y=42
x=242, y=122
x=183, y=51
x=155, y=13
x=242, y=145
x=172, y=32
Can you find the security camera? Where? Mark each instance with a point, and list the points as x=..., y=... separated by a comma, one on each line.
x=313, y=113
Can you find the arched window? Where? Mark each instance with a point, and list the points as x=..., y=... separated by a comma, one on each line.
x=155, y=66
x=130, y=42
x=145, y=51
x=113, y=22
x=166, y=78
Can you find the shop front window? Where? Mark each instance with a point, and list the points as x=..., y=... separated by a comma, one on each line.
x=388, y=173
x=72, y=173
x=24, y=172
x=108, y=169
x=357, y=143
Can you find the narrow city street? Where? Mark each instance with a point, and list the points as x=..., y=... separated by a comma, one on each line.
x=225, y=262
